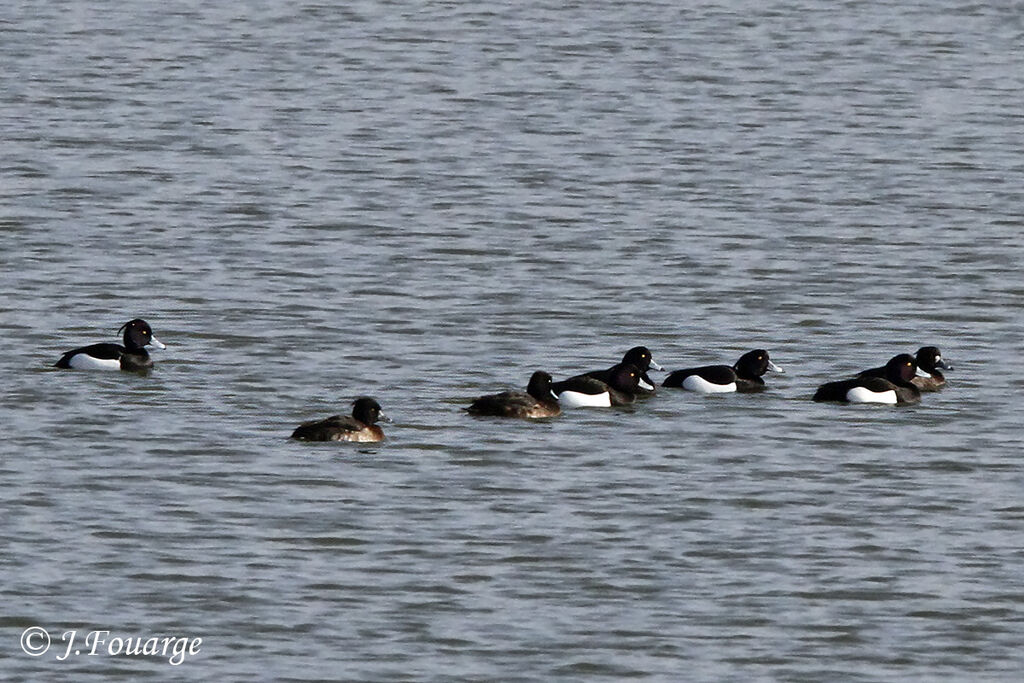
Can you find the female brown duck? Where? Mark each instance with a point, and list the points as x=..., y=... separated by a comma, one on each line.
x=537, y=401
x=360, y=426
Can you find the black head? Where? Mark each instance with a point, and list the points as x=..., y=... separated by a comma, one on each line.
x=901, y=369
x=367, y=411
x=540, y=386
x=625, y=377
x=641, y=357
x=137, y=334
x=929, y=358
x=754, y=364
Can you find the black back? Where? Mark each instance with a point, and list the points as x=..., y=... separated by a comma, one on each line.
x=104, y=351
x=716, y=374
x=584, y=384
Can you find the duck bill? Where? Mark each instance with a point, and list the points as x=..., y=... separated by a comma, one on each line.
x=157, y=343
x=775, y=368
x=922, y=373
x=655, y=366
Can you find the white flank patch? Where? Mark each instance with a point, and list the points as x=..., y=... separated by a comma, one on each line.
x=81, y=361
x=863, y=395
x=702, y=386
x=575, y=399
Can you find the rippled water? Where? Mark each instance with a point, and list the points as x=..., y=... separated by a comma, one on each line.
x=315, y=202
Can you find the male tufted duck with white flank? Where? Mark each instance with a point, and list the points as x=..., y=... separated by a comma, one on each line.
x=585, y=391
x=744, y=376
x=641, y=357
x=895, y=388
x=131, y=357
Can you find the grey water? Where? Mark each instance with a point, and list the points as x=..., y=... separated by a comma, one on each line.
x=423, y=203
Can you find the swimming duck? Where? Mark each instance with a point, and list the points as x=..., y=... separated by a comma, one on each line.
x=744, y=376
x=641, y=357
x=584, y=390
x=360, y=426
x=537, y=401
x=929, y=359
x=131, y=357
x=895, y=387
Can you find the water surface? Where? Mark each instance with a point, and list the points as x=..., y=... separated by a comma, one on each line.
x=311, y=203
